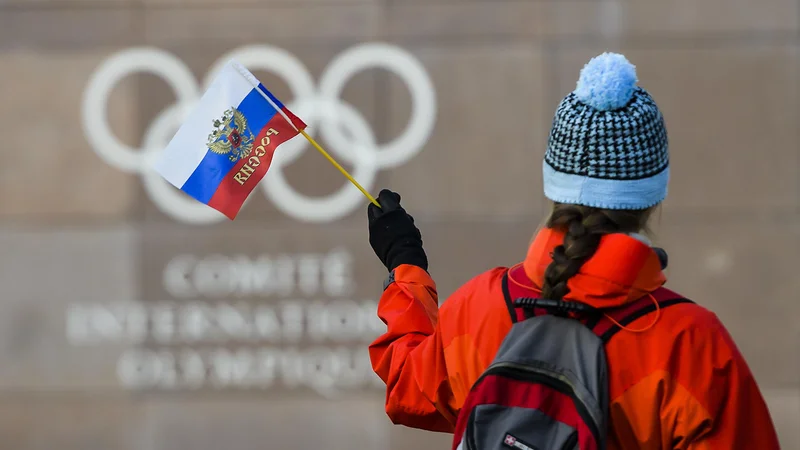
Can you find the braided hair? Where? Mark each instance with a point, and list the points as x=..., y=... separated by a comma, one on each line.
x=584, y=226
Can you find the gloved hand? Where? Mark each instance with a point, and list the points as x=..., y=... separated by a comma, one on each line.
x=393, y=235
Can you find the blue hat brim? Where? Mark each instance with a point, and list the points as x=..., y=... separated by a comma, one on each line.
x=604, y=193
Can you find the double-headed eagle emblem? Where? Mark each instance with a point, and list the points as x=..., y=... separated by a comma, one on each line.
x=231, y=136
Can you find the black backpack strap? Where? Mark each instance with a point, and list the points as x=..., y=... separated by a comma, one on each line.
x=513, y=291
x=605, y=328
x=512, y=311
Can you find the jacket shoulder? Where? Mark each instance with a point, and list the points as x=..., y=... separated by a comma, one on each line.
x=688, y=317
x=685, y=341
x=687, y=374
x=475, y=305
x=483, y=283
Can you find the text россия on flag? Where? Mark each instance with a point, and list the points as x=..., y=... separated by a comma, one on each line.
x=226, y=145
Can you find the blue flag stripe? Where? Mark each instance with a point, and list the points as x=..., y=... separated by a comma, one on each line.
x=203, y=182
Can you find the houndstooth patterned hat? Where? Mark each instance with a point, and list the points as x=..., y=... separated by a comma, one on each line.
x=608, y=144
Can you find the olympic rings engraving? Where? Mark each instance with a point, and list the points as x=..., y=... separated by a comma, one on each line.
x=337, y=120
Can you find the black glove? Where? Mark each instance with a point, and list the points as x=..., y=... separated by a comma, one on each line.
x=393, y=235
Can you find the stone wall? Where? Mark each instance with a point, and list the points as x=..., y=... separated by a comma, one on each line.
x=131, y=319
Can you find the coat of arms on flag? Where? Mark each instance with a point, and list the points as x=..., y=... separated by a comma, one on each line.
x=231, y=135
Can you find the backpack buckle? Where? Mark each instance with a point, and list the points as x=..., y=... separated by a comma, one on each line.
x=558, y=308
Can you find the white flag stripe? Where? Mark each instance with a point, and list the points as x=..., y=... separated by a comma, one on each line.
x=188, y=147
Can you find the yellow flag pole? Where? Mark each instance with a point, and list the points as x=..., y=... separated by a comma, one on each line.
x=255, y=83
x=341, y=169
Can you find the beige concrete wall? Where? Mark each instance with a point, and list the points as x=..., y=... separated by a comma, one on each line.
x=88, y=257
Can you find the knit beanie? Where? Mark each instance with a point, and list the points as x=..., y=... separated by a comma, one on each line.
x=608, y=144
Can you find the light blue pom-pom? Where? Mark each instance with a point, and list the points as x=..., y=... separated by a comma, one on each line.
x=607, y=82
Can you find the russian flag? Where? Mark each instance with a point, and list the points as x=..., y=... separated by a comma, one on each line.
x=226, y=145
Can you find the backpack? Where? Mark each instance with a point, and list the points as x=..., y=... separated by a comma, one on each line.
x=547, y=387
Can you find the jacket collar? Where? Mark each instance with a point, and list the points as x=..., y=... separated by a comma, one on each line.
x=624, y=268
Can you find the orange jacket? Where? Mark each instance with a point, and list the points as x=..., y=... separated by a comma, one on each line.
x=682, y=384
